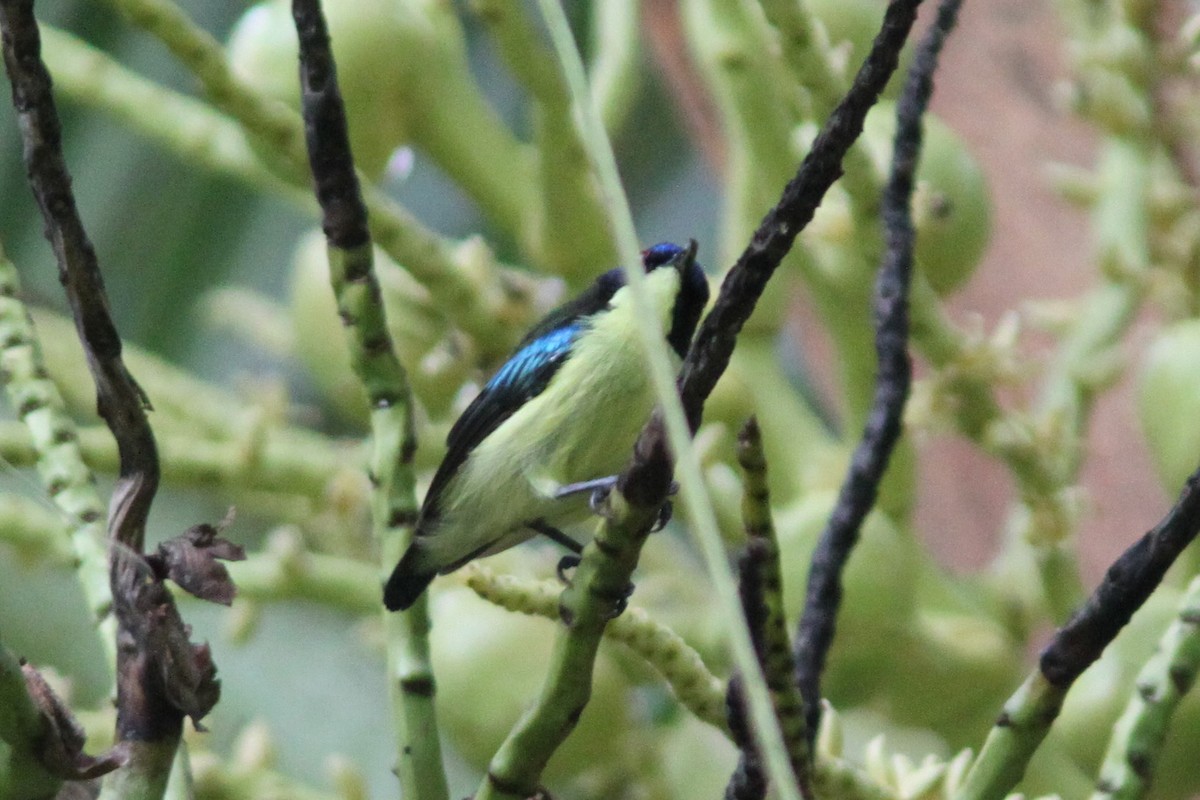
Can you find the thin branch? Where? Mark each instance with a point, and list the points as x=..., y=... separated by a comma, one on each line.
x=394, y=505
x=1125, y=587
x=771, y=242
x=761, y=589
x=861, y=484
x=119, y=399
x=597, y=594
x=161, y=676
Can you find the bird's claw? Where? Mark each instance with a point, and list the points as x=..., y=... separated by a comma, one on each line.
x=565, y=563
x=664, y=516
x=598, y=502
x=622, y=602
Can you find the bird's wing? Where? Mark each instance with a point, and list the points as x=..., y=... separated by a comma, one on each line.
x=523, y=377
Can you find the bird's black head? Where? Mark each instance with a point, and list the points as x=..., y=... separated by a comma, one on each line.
x=693, y=289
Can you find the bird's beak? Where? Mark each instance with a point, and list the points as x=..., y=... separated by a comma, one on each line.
x=684, y=262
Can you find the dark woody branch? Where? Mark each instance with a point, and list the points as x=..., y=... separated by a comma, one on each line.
x=161, y=676
x=772, y=241
x=892, y=381
x=647, y=478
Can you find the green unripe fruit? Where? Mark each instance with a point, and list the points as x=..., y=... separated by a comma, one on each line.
x=1168, y=402
x=696, y=759
x=386, y=51
x=951, y=209
x=854, y=24
x=879, y=583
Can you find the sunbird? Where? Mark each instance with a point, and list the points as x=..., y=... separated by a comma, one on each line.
x=552, y=426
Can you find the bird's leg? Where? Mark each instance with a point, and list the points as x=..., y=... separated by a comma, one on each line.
x=604, y=484
x=555, y=535
x=599, y=487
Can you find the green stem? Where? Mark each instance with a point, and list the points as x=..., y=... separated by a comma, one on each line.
x=1122, y=226
x=774, y=646
x=60, y=462
x=279, y=465
x=188, y=127
x=23, y=776
x=1022, y=726
x=1034, y=458
x=33, y=531
x=289, y=572
x=1160, y=686
x=144, y=776
x=393, y=509
x=731, y=44
x=615, y=72
x=597, y=590
x=807, y=53
x=573, y=235
x=696, y=689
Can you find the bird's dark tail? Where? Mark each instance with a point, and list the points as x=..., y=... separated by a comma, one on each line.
x=407, y=582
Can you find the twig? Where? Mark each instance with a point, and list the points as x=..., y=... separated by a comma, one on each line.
x=861, y=485
x=597, y=594
x=394, y=505
x=1161, y=684
x=161, y=676
x=1028, y=714
x=761, y=589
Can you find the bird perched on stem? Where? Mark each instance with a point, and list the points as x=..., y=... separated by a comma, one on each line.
x=552, y=426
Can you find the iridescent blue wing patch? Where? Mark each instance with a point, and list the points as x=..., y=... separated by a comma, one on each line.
x=521, y=378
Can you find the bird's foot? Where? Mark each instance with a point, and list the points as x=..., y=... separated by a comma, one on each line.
x=620, y=602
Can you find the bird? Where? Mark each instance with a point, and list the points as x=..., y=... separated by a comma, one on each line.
x=553, y=425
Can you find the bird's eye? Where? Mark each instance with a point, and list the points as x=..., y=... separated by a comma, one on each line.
x=660, y=254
